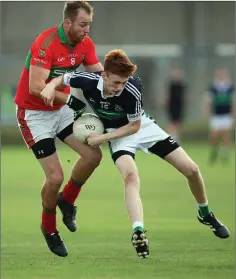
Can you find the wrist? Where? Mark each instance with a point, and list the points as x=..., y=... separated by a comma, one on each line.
x=66, y=79
x=68, y=99
x=106, y=137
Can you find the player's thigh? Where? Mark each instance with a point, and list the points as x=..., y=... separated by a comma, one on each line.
x=123, y=146
x=162, y=147
x=66, y=121
x=227, y=124
x=52, y=169
x=36, y=125
x=181, y=161
x=84, y=150
x=65, y=134
x=45, y=152
x=126, y=164
x=127, y=167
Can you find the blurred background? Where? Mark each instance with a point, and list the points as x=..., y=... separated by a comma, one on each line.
x=195, y=37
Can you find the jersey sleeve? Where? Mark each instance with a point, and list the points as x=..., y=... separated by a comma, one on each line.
x=41, y=57
x=133, y=102
x=90, y=56
x=78, y=79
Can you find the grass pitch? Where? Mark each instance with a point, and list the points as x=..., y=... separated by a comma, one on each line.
x=180, y=247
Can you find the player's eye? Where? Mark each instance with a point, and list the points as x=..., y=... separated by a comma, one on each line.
x=85, y=25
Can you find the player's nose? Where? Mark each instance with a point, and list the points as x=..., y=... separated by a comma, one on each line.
x=86, y=29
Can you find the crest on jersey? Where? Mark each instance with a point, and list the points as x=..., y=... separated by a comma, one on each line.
x=42, y=53
x=118, y=108
x=83, y=56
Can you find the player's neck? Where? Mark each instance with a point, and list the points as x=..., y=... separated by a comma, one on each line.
x=69, y=40
x=106, y=93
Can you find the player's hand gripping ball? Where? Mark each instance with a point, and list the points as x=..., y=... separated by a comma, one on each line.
x=88, y=123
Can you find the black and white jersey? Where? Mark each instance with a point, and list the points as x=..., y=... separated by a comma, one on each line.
x=114, y=111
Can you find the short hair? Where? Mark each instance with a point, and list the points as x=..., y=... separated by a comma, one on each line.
x=72, y=8
x=117, y=62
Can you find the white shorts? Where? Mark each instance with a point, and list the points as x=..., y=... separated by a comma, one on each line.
x=146, y=137
x=221, y=122
x=36, y=125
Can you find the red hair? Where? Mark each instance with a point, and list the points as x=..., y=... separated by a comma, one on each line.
x=118, y=63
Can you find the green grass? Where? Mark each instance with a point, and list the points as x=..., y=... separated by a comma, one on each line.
x=101, y=248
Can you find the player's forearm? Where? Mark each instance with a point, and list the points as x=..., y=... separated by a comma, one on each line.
x=60, y=97
x=36, y=88
x=123, y=131
x=57, y=82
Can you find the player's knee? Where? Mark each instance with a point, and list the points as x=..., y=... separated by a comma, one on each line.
x=55, y=178
x=132, y=179
x=94, y=158
x=192, y=170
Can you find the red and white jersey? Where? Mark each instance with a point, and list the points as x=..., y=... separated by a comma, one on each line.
x=51, y=51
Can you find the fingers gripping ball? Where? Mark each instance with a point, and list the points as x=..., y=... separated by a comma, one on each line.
x=88, y=123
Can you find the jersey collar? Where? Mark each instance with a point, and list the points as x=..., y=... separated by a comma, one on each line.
x=100, y=87
x=62, y=36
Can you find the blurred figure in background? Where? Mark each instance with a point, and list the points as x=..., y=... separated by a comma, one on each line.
x=218, y=105
x=174, y=102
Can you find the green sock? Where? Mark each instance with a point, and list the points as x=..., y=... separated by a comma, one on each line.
x=138, y=229
x=137, y=226
x=204, y=209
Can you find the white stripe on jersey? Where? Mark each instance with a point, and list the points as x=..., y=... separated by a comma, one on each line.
x=85, y=74
x=138, y=107
x=132, y=89
x=137, y=94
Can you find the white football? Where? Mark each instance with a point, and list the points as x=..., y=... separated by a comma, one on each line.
x=88, y=123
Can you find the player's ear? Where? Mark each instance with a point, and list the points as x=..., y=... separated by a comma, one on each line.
x=67, y=22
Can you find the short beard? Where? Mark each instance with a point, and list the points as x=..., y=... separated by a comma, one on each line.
x=74, y=42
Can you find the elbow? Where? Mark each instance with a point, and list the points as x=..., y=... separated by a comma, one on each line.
x=35, y=89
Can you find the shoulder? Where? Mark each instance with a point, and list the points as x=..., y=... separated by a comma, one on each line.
x=134, y=87
x=45, y=38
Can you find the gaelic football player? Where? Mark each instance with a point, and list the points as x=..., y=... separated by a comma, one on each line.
x=58, y=50
x=116, y=97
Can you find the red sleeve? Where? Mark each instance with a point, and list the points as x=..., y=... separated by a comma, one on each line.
x=41, y=57
x=90, y=57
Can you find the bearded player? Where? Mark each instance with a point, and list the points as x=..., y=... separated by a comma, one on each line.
x=54, y=52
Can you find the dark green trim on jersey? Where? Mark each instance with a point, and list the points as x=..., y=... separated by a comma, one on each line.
x=27, y=60
x=58, y=71
x=222, y=99
x=109, y=114
x=63, y=38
